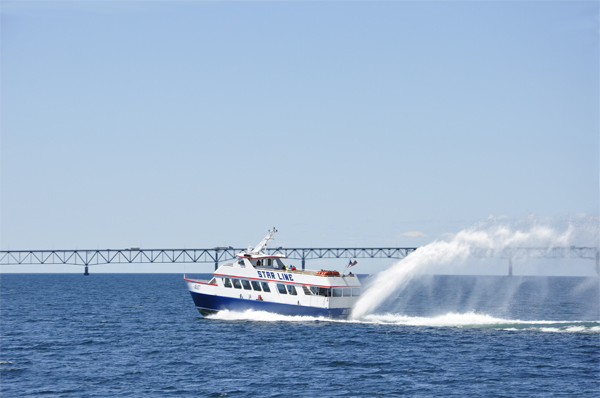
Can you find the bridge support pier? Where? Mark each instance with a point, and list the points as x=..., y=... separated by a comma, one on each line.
x=86, y=272
x=510, y=267
x=216, y=259
x=598, y=262
x=303, y=263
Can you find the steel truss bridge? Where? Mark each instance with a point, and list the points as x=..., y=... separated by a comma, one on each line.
x=216, y=255
x=510, y=253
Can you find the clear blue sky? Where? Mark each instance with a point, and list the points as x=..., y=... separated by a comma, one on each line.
x=201, y=124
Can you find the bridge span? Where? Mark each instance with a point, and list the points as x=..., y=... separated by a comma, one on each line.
x=216, y=255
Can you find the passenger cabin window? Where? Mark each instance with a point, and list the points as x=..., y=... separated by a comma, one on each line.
x=246, y=284
x=281, y=288
x=226, y=282
x=255, y=285
x=266, y=287
x=325, y=291
x=292, y=290
x=269, y=262
x=337, y=292
x=307, y=291
x=236, y=283
x=347, y=292
x=356, y=291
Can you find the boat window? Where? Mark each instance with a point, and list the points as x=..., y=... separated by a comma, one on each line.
x=307, y=291
x=236, y=283
x=246, y=284
x=337, y=292
x=325, y=291
x=347, y=292
x=356, y=291
x=255, y=285
x=266, y=287
x=314, y=290
x=269, y=262
x=292, y=290
x=281, y=288
x=226, y=282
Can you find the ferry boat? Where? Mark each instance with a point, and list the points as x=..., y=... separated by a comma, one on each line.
x=262, y=282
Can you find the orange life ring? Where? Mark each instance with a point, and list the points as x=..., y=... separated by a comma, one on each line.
x=327, y=273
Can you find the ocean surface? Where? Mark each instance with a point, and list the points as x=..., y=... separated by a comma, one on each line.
x=139, y=335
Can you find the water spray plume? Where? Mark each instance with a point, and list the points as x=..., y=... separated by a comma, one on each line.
x=491, y=236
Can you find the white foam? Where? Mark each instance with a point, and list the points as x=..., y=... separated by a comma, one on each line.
x=451, y=319
x=473, y=319
x=571, y=329
x=575, y=329
x=260, y=316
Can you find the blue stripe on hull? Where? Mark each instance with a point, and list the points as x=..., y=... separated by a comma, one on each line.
x=210, y=303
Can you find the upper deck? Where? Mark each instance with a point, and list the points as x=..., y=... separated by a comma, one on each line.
x=291, y=276
x=254, y=264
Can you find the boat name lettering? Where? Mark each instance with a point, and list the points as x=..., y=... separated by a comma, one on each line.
x=280, y=276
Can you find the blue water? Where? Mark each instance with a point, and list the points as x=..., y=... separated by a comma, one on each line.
x=110, y=335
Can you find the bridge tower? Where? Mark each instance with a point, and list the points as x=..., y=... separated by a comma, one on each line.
x=510, y=267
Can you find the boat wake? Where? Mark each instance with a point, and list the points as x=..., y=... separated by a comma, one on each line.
x=480, y=320
x=261, y=316
x=471, y=320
